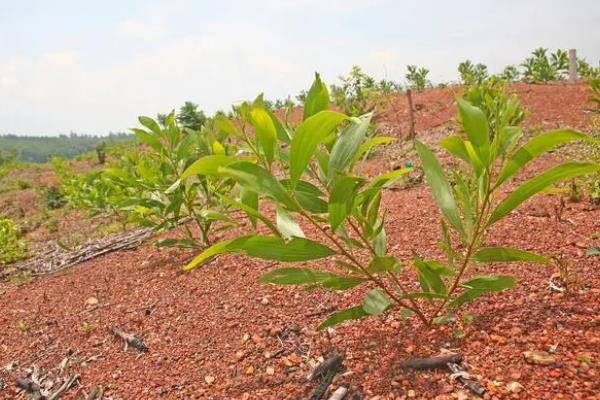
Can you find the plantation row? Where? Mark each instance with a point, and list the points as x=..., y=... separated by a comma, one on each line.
x=322, y=206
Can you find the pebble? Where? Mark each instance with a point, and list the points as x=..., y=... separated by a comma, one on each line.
x=209, y=379
x=515, y=387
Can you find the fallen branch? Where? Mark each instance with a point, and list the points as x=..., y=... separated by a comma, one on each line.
x=66, y=386
x=130, y=339
x=31, y=387
x=431, y=362
x=325, y=372
x=465, y=379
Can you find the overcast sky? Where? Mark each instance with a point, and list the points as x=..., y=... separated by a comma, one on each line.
x=93, y=66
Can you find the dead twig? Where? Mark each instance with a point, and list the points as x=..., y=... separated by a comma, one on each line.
x=431, y=362
x=130, y=339
x=66, y=386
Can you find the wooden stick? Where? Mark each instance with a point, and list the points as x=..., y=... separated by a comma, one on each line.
x=130, y=339
x=66, y=386
x=431, y=362
x=411, y=114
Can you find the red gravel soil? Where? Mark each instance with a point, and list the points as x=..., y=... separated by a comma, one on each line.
x=216, y=333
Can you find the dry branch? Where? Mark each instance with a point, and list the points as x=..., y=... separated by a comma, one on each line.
x=130, y=339
x=431, y=362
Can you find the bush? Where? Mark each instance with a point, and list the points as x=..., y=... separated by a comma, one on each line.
x=417, y=77
x=12, y=248
x=308, y=176
x=55, y=198
x=472, y=74
x=541, y=68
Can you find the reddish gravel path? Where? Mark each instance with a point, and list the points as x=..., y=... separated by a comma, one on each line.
x=216, y=333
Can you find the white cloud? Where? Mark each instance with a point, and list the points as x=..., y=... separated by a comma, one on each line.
x=135, y=29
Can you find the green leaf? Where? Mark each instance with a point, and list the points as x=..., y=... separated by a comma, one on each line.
x=481, y=285
x=341, y=199
x=442, y=192
x=379, y=242
x=266, y=134
x=369, y=144
x=381, y=264
x=593, y=251
x=347, y=145
x=539, y=183
x=535, y=147
x=208, y=165
x=307, y=276
x=148, y=138
x=476, y=127
x=251, y=211
x=250, y=199
x=266, y=248
x=283, y=133
x=309, y=134
x=495, y=254
x=150, y=124
x=225, y=125
x=317, y=98
x=430, y=275
x=287, y=225
x=344, y=315
x=456, y=146
x=376, y=302
x=258, y=180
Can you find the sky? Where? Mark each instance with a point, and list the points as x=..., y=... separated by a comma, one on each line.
x=94, y=66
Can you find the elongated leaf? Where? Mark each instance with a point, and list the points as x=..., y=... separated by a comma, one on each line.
x=535, y=147
x=251, y=210
x=307, y=276
x=593, y=251
x=369, y=144
x=347, y=145
x=376, y=302
x=476, y=127
x=309, y=134
x=227, y=126
x=208, y=165
x=384, y=264
x=481, y=285
x=430, y=276
x=259, y=180
x=283, y=133
x=265, y=132
x=287, y=225
x=495, y=254
x=340, y=199
x=344, y=315
x=266, y=248
x=317, y=98
x=539, y=183
x=442, y=192
x=150, y=124
x=456, y=146
x=148, y=138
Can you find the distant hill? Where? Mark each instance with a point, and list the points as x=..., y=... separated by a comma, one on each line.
x=41, y=148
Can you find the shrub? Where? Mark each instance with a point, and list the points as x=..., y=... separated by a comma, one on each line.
x=55, y=198
x=12, y=248
x=308, y=176
x=159, y=186
x=417, y=77
x=472, y=74
x=360, y=93
x=510, y=73
x=541, y=68
x=24, y=184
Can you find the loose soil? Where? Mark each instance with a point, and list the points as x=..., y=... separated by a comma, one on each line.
x=216, y=333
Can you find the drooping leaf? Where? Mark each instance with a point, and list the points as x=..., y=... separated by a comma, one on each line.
x=347, y=145
x=539, y=183
x=267, y=248
x=287, y=225
x=317, y=98
x=384, y=264
x=535, y=147
x=442, y=192
x=430, y=275
x=483, y=284
x=376, y=302
x=309, y=134
x=369, y=144
x=259, y=180
x=496, y=254
x=250, y=199
x=148, y=138
x=344, y=315
x=208, y=165
x=150, y=124
x=307, y=276
x=251, y=211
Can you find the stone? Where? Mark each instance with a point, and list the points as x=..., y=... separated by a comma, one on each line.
x=538, y=357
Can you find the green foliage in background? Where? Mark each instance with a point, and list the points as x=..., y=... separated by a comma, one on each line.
x=12, y=247
x=417, y=77
x=472, y=73
x=541, y=67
